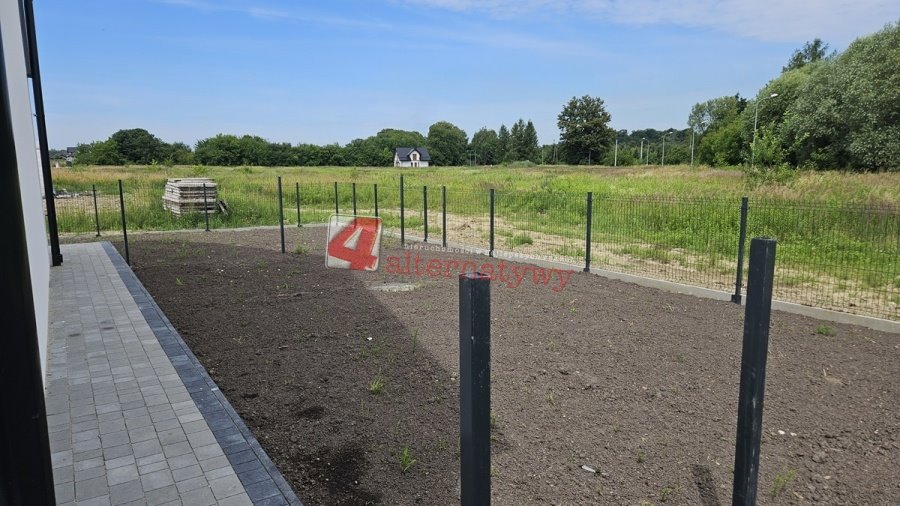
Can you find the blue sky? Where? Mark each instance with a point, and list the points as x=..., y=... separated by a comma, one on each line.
x=333, y=71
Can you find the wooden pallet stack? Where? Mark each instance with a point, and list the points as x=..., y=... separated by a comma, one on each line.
x=185, y=195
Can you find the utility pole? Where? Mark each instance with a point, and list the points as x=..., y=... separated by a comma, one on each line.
x=616, y=155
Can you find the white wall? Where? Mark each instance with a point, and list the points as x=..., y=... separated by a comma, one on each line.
x=29, y=168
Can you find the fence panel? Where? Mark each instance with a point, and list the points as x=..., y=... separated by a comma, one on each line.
x=845, y=258
x=691, y=241
x=543, y=225
x=468, y=219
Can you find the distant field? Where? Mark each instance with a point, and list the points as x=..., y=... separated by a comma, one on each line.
x=672, y=181
x=837, y=232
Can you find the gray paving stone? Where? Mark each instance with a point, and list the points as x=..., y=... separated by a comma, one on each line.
x=88, y=489
x=117, y=451
x=96, y=501
x=241, y=499
x=127, y=492
x=199, y=497
x=65, y=492
x=114, y=438
x=145, y=448
x=122, y=474
x=188, y=472
x=157, y=479
x=190, y=484
x=226, y=487
x=161, y=495
x=87, y=474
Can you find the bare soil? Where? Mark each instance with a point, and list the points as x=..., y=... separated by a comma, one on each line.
x=639, y=384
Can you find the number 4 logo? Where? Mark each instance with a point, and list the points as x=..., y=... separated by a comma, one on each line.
x=354, y=242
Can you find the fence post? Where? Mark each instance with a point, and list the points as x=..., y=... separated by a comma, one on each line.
x=444, y=215
x=281, y=213
x=96, y=212
x=742, y=238
x=353, y=185
x=336, y=211
x=376, y=199
x=205, y=207
x=491, y=251
x=475, y=389
x=124, y=228
x=402, y=224
x=299, y=221
x=587, y=232
x=753, y=370
x=425, y=210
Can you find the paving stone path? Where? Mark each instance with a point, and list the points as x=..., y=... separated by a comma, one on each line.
x=133, y=417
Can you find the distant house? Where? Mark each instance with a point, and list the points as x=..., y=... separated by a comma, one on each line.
x=411, y=157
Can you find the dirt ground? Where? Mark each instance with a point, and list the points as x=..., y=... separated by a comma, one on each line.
x=639, y=384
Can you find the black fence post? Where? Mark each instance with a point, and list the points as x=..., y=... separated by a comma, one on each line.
x=96, y=212
x=753, y=370
x=491, y=251
x=475, y=389
x=587, y=232
x=124, y=228
x=281, y=213
x=205, y=207
x=402, y=224
x=742, y=238
x=353, y=185
x=375, y=188
x=299, y=221
x=425, y=210
x=336, y=210
x=444, y=216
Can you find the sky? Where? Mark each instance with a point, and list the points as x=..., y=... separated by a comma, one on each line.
x=332, y=71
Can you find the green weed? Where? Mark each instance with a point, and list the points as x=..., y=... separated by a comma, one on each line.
x=825, y=330
x=406, y=460
x=376, y=386
x=520, y=239
x=782, y=479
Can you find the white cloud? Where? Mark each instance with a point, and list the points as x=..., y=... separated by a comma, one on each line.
x=835, y=21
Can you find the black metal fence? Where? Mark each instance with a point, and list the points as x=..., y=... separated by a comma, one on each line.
x=840, y=257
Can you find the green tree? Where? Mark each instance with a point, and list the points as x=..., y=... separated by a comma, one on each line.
x=485, y=144
x=178, y=153
x=447, y=144
x=811, y=52
x=847, y=113
x=529, y=148
x=223, y=149
x=99, y=153
x=139, y=146
x=503, y=144
x=584, y=130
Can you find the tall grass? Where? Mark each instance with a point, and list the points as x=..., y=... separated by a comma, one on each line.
x=837, y=232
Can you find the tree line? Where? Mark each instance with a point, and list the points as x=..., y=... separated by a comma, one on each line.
x=825, y=111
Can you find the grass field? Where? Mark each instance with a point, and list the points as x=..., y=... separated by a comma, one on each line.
x=838, y=232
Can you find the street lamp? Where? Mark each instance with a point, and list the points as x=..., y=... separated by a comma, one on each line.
x=664, y=147
x=692, y=140
x=755, y=119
